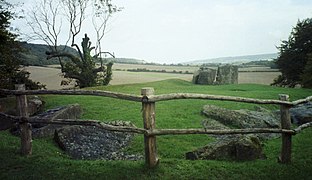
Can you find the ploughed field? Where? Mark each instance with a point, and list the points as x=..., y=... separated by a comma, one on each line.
x=51, y=76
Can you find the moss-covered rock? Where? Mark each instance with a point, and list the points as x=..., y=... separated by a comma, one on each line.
x=239, y=148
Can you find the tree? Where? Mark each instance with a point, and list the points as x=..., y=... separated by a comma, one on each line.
x=47, y=22
x=10, y=60
x=294, y=60
x=307, y=72
x=83, y=69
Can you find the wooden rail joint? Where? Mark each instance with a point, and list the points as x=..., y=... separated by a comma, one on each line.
x=23, y=120
x=149, y=122
x=285, y=156
x=145, y=99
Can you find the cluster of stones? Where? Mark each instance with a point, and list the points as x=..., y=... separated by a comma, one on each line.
x=227, y=74
x=83, y=142
x=243, y=147
x=235, y=147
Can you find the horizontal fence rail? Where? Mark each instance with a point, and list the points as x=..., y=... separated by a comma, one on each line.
x=98, y=123
x=116, y=95
x=155, y=98
x=174, y=96
x=148, y=100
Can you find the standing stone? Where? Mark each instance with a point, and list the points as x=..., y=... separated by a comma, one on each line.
x=227, y=74
x=195, y=77
x=204, y=76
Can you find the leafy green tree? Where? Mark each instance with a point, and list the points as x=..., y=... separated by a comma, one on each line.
x=10, y=60
x=294, y=60
x=307, y=73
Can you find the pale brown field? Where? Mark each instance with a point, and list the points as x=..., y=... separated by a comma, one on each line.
x=51, y=76
x=257, y=77
x=126, y=77
x=168, y=68
x=118, y=66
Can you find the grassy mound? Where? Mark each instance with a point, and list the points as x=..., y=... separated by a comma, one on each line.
x=49, y=162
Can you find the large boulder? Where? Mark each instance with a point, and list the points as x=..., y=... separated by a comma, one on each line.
x=88, y=142
x=241, y=118
x=239, y=148
x=227, y=74
x=35, y=105
x=39, y=130
x=235, y=147
x=302, y=113
x=205, y=76
x=72, y=111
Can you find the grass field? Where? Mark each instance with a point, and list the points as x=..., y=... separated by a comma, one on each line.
x=49, y=162
x=51, y=76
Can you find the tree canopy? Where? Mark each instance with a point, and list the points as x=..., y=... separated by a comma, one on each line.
x=295, y=57
x=10, y=60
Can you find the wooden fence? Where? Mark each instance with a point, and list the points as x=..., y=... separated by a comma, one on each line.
x=148, y=100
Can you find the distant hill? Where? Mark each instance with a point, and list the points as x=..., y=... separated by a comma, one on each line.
x=126, y=60
x=235, y=59
x=35, y=55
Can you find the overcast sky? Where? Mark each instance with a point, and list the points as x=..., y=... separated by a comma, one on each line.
x=172, y=31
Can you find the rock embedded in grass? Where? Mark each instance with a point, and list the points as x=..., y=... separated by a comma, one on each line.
x=301, y=114
x=91, y=143
x=241, y=118
x=235, y=147
x=39, y=130
x=239, y=148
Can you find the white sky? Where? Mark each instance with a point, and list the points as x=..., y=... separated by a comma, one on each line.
x=172, y=31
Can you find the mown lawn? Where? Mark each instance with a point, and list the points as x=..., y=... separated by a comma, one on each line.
x=49, y=162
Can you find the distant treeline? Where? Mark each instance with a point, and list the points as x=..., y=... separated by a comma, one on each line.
x=153, y=70
x=263, y=63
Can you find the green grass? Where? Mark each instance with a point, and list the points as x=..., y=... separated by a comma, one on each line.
x=49, y=162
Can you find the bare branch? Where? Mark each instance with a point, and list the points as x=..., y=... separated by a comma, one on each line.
x=73, y=58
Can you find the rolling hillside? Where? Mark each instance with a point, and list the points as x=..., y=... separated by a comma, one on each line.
x=235, y=59
x=35, y=55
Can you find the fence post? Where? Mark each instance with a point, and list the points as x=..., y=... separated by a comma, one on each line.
x=148, y=109
x=285, y=124
x=22, y=111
